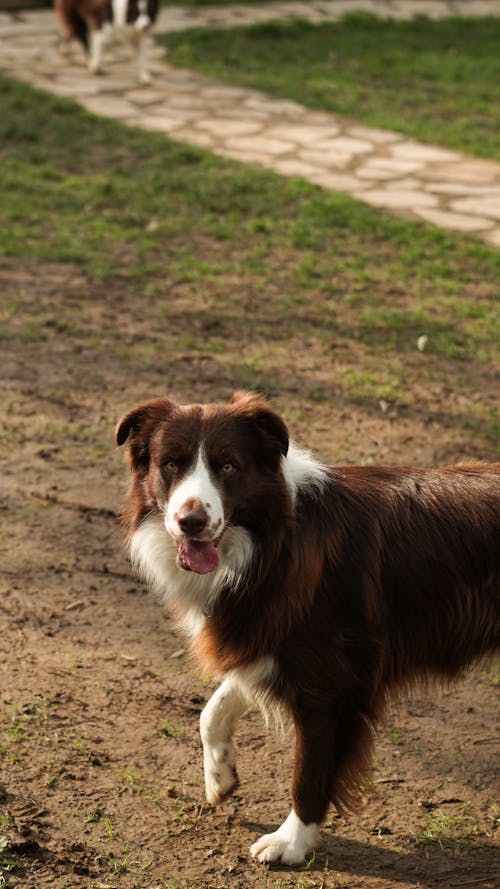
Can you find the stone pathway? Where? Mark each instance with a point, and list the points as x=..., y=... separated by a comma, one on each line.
x=385, y=169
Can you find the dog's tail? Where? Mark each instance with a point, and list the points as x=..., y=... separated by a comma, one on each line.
x=73, y=26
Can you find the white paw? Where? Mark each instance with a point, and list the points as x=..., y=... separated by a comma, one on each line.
x=221, y=777
x=272, y=847
x=289, y=844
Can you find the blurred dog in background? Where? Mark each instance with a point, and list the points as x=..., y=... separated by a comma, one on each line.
x=95, y=22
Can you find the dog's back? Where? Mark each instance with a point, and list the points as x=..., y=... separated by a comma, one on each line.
x=442, y=586
x=426, y=546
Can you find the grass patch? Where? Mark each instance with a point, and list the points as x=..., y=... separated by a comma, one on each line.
x=170, y=730
x=438, y=81
x=396, y=735
x=244, y=272
x=448, y=831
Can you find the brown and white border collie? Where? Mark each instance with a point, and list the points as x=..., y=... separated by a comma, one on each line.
x=310, y=589
x=95, y=22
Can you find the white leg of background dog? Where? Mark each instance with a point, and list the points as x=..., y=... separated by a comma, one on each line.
x=217, y=724
x=142, y=68
x=96, y=43
x=142, y=24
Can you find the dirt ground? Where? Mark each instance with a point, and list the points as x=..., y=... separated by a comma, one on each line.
x=101, y=779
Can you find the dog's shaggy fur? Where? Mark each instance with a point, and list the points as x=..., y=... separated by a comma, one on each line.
x=316, y=590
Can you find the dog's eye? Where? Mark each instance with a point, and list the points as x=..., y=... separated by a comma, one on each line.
x=227, y=468
x=170, y=466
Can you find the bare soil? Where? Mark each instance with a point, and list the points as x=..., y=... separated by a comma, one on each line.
x=101, y=778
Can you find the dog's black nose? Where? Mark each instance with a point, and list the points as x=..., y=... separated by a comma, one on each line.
x=192, y=521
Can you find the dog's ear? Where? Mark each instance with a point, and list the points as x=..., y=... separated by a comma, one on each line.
x=138, y=425
x=274, y=428
x=270, y=424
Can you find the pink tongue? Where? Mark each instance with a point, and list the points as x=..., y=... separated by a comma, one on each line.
x=199, y=556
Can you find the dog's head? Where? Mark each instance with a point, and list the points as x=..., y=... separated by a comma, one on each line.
x=204, y=467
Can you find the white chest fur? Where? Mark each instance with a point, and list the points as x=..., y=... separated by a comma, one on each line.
x=153, y=553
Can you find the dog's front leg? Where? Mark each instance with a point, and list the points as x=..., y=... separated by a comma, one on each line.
x=96, y=44
x=142, y=67
x=299, y=835
x=217, y=724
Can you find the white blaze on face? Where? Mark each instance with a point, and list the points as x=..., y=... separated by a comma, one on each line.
x=196, y=485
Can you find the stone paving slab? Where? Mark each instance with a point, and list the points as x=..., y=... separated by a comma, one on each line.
x=384, y=169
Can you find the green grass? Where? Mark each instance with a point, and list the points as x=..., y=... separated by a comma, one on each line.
x=448, y=831
x=438, y=81
x=236, y=257
x=396, y=735
x=170, y=729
